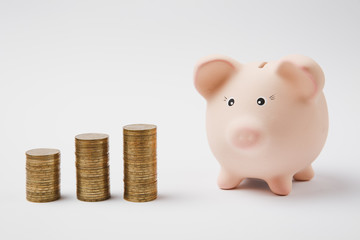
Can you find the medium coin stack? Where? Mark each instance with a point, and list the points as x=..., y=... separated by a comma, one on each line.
x=92, y=167
x=42, y=175
x=140, y=169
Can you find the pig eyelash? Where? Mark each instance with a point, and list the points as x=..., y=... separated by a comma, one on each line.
x=225, y=99
x=272, y=97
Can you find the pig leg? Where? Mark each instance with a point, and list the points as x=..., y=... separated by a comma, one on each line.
x=304, y=175
x=280, y=185
x=228, y=180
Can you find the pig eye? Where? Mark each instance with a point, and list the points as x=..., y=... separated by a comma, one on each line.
x=231, y=102
x=261, y=101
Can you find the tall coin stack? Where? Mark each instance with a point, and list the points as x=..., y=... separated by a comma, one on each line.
x=92, y=167
x=140, y=174
x=42, y=175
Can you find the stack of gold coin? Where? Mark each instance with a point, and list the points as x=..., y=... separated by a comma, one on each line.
x=92, y=167
x=140, y=174
x=42, y=175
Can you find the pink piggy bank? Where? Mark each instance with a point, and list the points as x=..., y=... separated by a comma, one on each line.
x=265, y=120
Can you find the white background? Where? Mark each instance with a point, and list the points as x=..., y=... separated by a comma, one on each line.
x=71, y=67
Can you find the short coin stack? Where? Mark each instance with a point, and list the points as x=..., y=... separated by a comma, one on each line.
x=92, y=167
x=42, y=175
x=140, y=169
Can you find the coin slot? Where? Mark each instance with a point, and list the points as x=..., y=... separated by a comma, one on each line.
x=262, y=65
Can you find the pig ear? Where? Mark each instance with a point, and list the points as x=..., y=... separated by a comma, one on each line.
x=304, y=73
x=212, y=72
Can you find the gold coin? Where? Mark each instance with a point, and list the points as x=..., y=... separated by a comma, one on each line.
x=92, y=167
x=42, y=175
x=140, y=163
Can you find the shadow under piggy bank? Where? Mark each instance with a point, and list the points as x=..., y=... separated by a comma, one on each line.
x=323, y=184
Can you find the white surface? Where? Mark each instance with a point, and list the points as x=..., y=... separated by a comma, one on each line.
x=70, y=67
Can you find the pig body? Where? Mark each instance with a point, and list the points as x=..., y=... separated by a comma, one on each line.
x=264, y=120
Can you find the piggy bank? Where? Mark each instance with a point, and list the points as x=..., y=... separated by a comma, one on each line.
x=264, y=120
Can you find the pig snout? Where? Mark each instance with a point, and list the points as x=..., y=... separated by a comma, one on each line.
x=245, y=137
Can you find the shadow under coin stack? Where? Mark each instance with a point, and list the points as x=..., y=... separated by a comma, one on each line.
x=92, y=167
x=42, y=175
x=140, y=170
